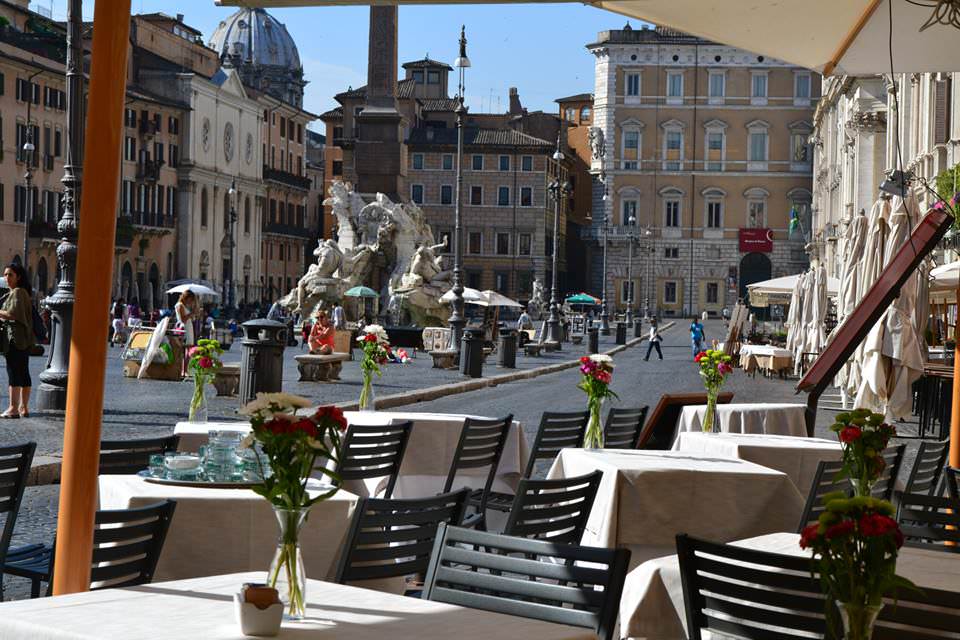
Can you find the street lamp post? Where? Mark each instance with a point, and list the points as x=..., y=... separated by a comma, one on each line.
x=648, y=259
x=558, y=191
x=231, y=301
x=52, y=392
x=604, y=315
x=457, y=320
x=632, y=222
x=28, y=149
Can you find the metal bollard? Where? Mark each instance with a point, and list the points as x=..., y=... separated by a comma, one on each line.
x=621, y=333
x=507, y=356
x=593, y=340
x=261, y=363
x=637, y=328
x=471, y=353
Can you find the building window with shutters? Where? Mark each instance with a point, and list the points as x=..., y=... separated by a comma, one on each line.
x=758, y=145
x=476, y=195
x=503, y=196
x=674, y=87
x=526, y=163
x=670, y=292
x=758, y=87
x=418, y=161
x=633, y=87
x=671, y=211
x=673, y=146
x=447, y=162
x=716, y=146
x=477, y=162
x=504, y=163
x=717, y=88
x=446, y=194
x=526, y=196
x=631, y=149
x=475, y=242
x=416, y=193
x=524, y=244
x=801, y=88
x=712, y=293
x=714, y=210
x=503, y=243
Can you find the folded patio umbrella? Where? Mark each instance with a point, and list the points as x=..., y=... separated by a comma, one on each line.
x=804, y=319
x=794, y=314
x=893, y=359
x=851, y=291
x=815, y=336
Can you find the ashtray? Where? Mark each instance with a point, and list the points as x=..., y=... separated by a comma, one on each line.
x=257, y=622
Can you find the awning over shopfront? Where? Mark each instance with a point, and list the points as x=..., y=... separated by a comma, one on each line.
x=779, y=290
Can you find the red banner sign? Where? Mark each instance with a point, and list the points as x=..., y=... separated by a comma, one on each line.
x=756, y=240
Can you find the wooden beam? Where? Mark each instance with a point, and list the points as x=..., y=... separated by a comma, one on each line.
x=851, y=36
x=88, y=348
x=859, y=323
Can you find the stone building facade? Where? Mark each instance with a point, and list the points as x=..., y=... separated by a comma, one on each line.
x=856, y=127
x=706, y=147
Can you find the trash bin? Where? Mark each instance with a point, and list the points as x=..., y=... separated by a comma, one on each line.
x=261, y=361
x=637, y=328
x=507, y=356
x=471, y=353
x=593, y=340
x=621, y=333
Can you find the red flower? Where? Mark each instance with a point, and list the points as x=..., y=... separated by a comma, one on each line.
x=808, y=535
x=851, y=433
x=584, y=359
x=277, y=426
x=370, y=338
x=603, y=376
x=332, y=414
x=700, y=356
x=205, y=362
x=875, y=524
x=842, y=529
x=305, y=426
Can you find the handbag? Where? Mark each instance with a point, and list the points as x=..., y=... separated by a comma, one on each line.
x=6, y=336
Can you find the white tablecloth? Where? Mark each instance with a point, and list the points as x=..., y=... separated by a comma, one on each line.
x=429, y=454
x=202, y=609
x=652, y=602
x=765, y=350
x=216, y=531
x=771, y=418
x=796, y=457
x=647, y=497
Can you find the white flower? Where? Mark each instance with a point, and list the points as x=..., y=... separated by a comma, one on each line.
x=601, y=358
x=267, y=402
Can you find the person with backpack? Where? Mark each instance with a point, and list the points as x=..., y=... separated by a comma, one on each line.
x=653, y=341
x=696, y=336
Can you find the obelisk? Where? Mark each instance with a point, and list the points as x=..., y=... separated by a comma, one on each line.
x=379, y=147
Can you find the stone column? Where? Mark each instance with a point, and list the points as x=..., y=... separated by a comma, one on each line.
x=52, y=392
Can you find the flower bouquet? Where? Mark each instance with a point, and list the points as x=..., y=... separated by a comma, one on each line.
x=855, y=546
x=292, y=445
x=204, y=363
x=714, y=368
x=597, y=373
x=863, y=436
x=376, y=351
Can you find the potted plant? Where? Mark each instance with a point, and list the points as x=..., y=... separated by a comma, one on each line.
x=714, y=368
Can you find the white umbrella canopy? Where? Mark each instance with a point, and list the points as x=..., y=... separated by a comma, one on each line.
x=198, y=289
x=470, y=296
x=785, y=286
x=943, y=278
x=495, y=299
x=829, y=36
x=893, y=359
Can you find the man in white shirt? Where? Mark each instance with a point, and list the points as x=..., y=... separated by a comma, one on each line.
x=339, y=320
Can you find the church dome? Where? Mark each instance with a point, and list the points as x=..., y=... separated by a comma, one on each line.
x=253, y=36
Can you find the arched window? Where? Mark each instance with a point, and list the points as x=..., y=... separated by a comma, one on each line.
x=203, y=207
x=246, y=215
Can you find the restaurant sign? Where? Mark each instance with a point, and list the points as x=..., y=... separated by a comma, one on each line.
x=756, y=240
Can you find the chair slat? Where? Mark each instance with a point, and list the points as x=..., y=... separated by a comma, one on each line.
x=375, y=451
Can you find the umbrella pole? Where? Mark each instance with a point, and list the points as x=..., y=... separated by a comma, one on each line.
x=955, y=408
x=88, y=347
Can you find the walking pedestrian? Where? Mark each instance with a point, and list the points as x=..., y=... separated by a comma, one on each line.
x=696, y=336
x=339, y=318
x=17, y=312
x=653, y=341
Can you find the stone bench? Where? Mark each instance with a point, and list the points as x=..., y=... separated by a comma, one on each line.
x=576, y=338
x=444, y=358
x=532, y=348
x=318, y=368
x=227, y=380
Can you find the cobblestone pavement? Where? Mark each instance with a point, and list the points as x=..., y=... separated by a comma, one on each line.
x=154, y=407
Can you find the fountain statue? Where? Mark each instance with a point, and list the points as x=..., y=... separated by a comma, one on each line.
x=393, y=237
x=538, y=305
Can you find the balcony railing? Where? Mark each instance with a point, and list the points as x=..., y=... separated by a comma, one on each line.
x=287, y=229
x=287, y=178
x=614, y=233
x=40, y=228
x=149, y=170
x=148, y=127
x=151, y=220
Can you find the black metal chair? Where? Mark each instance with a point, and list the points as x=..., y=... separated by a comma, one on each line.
x=127, y=457
x=393, y=538
x=15, y=464
x=480, y=570
x=557, y=431
x=927, y=468
x=623, y=427
x=824, y=481
x=887, y=482
x=929, y=521
x=721, y=594
x=126, y=547
x=481, y=446
x=951, y=478
x=553, y=510
x=375, y=451
x=925, y=615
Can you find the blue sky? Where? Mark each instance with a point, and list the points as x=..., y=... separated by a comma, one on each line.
x=539, y=48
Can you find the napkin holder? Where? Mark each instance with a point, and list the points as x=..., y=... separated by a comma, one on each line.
x=257, y=622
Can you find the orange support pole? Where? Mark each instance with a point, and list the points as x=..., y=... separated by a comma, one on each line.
x=954, y=458
x=88, y=348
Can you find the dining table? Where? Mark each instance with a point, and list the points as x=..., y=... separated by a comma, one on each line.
x=765, y=357
x=772, y=418
x=646, y=498
x=652, y=605
x=224, y=530
x=203, y=608
x=426, y=462
x=798, y=457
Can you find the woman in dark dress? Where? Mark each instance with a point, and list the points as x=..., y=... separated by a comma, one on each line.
x=17, y=314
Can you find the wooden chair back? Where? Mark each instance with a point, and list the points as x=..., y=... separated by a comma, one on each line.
x=661, y=429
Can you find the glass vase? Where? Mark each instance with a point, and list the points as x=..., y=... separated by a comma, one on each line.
x=367, y=398
x=593, y=437
x=858, y=619
x=198, y=402
x=862, y=486
x=710, y=416
x=286, y=573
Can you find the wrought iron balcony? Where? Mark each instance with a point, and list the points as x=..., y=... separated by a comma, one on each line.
x=151, y=221
x=287, y=230
x=40, y=228
x=286, y=178
x=149, y=170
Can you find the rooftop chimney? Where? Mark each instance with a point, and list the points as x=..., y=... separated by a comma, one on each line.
x=516, y=108
x=179, y=17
